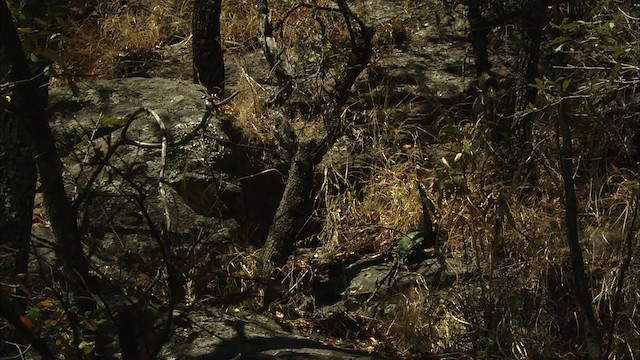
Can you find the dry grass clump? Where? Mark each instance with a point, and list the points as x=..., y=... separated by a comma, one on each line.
x=395, y=32
x=374, y=222
x=250, y=119
x=517, y=301
x=369, y=189
x=240, y=22
x=116, y=40
x=425, y=321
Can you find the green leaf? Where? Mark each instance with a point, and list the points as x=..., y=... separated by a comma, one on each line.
x=70, y=160
x=34, y=313
x=408, y=240
x=82, y=143
x=111, y=122
x=633, y=185
x=568, y=26
x=427, y=205
x=559, y=40
x=616, y=69
x=558, y=48
x=618, y=50
x=427, y=208
x=565, y=84
x=86, y=346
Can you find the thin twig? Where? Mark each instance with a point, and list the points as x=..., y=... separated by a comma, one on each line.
x=182, y=141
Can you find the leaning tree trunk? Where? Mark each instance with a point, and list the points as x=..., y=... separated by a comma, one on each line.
x=294, y=206
x=593, y=336
x=208, y=61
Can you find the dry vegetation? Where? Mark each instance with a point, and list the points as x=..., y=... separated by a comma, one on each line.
x=518, y=303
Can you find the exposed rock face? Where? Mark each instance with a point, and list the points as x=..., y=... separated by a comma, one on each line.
x=222, y=336
x=197, y=188
x=203, y=198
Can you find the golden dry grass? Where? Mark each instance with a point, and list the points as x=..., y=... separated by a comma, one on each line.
x=250, y=118
x=112, y=34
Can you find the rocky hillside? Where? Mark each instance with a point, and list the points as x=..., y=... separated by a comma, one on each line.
x=420, y=238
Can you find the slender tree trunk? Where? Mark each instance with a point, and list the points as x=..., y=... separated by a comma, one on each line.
x=581, y=283
x=478, y=37
x=533, y=20
x=593, y=337
x=208, y=61
x=480, y=29
x=18, y=173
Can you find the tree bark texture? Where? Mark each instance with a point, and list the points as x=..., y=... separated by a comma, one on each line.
x=18, y=172
x=533, y=19
x=208, y=61
x=513, y=134
x=293, y=209
x=30, y=105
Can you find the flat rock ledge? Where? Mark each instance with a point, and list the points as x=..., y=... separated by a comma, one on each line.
x=215, y=335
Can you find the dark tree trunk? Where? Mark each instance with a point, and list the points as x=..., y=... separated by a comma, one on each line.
x=295, y=205
x=30, y=105
x=293, y=209
x=532, y=21
x=581, y=283
x=593, y=336
x=208, y=61
x=478, y=36
x=17, y=191
x=17, y=168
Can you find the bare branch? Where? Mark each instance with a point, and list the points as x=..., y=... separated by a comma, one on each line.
x=273, y=55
